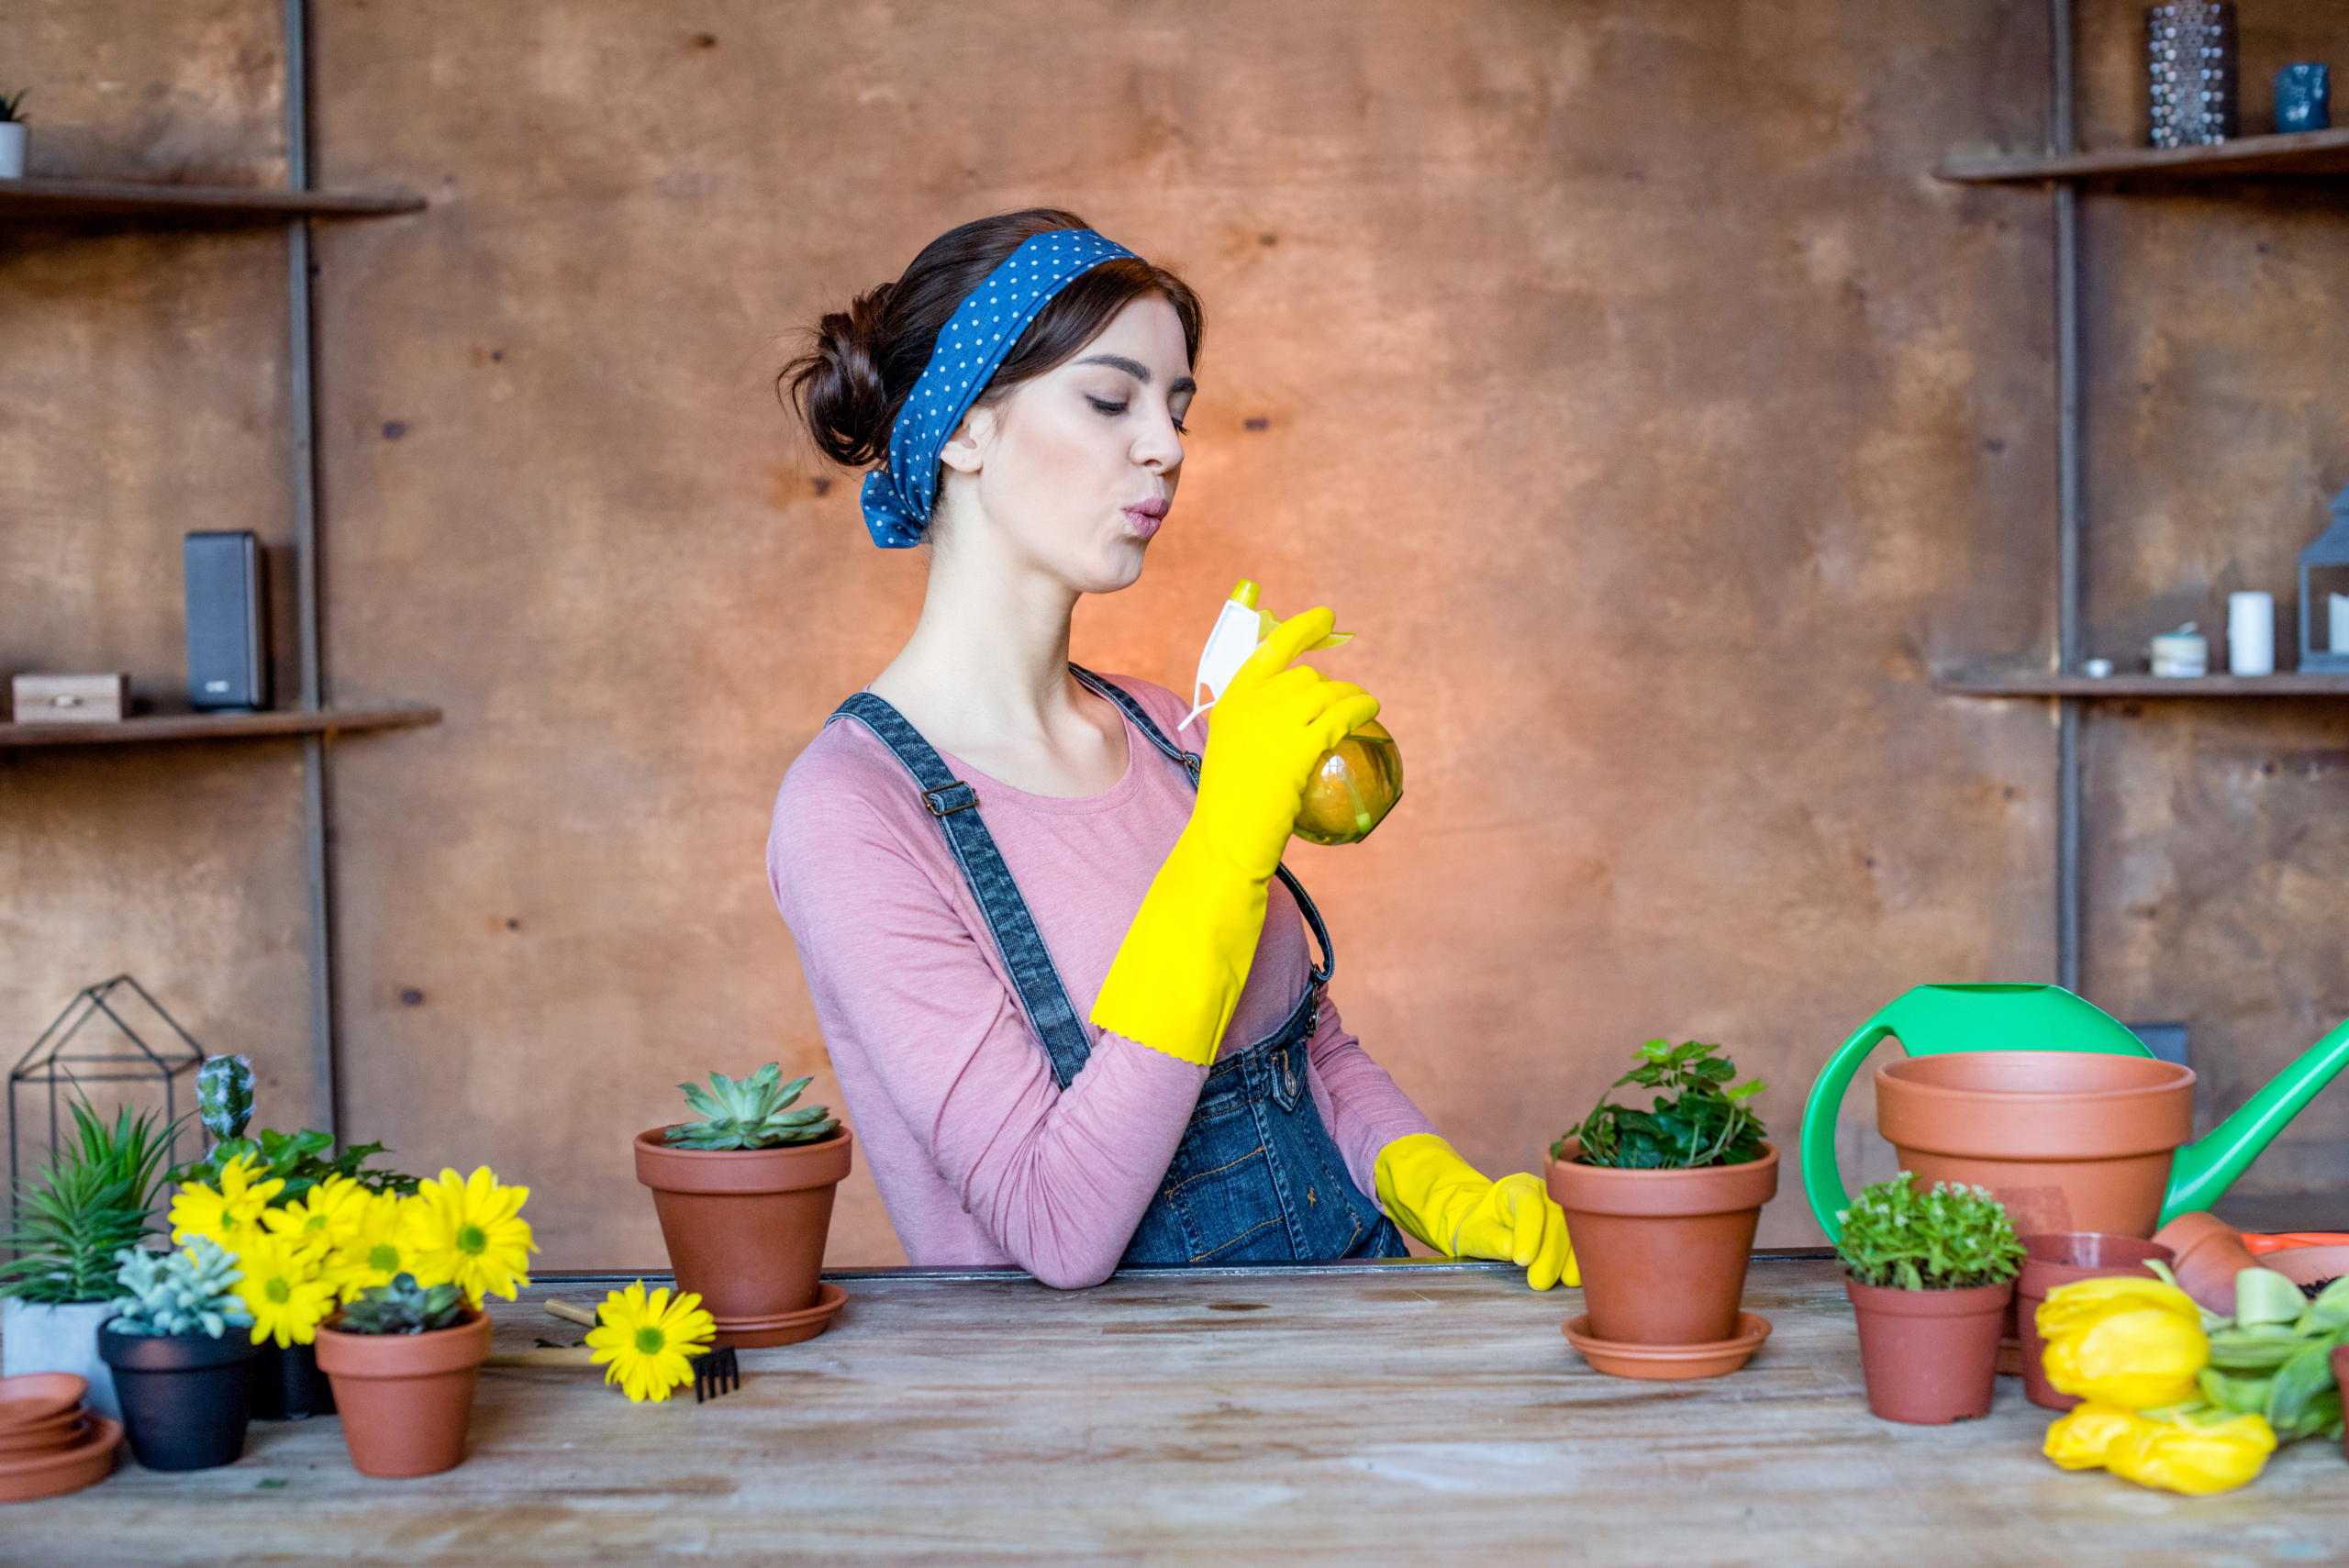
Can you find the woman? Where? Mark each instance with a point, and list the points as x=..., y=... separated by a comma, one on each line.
x=1074, y=1018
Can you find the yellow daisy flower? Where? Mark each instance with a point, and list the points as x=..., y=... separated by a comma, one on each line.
x=284, y=1289
x=230, y=1212
x=367, y=1250
x=467, y=1230
x=318, y=1217
x=641, y=1343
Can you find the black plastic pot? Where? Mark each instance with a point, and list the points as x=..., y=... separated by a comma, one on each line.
x=288, y=1385
x=185, y=1399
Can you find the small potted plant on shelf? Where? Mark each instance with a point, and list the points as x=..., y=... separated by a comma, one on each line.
x=12, y=136
x=96, y=1197
x=178, y=1372
x=404, y=1358
x=1663, y=1204
x=274, y=1195
x=745, y=1201
x=1929, y=1275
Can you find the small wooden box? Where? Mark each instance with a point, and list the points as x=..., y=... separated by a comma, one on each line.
x=71, y=699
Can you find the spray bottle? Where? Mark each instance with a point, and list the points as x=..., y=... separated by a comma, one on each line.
x=1357, y=782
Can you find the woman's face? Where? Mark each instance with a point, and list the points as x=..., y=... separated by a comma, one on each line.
x=1072, y=473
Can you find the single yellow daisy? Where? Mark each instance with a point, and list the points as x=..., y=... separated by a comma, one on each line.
x=641, y=1343
x=316, y=1217
x=229, y=1213
x=367, y=1250
x=467, y=1230
x=285, y=1288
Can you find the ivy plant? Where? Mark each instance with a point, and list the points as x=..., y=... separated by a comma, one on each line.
x=1697, y=1118
x=1952, y=1238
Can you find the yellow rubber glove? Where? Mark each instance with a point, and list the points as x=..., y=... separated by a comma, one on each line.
x=1438, y=1198
x=1178, y=975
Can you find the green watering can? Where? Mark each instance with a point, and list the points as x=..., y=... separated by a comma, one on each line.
x=1933, y=1020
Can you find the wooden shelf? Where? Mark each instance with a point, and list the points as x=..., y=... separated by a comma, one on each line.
x=2039, y=683
x=171, y=727
x=2308, y=154
x=24, y=201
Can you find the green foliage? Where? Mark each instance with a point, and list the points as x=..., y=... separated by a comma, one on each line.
x=2273, y=1357
x=187, y=1292
x=752, y=1114
x=1950, y=1239
x=1699, y=1121
x=403, y=1307
x=224, y=1095
x=12, y=107
x=92, y=1199
x=300, y=1159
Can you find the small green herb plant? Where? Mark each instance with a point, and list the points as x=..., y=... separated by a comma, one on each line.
x=192, y=1291
x=403, y=1306
x=1698, y=1118
x=224, y=1098
x=95, y=1197
x=755, y=1113
x=1952, y=1238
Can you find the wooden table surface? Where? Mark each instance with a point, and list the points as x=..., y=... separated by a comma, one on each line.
x=1424, y=1412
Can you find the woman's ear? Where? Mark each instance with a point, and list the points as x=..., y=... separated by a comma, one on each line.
x=965, y=451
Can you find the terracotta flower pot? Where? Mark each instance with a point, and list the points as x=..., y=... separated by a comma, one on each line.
x=745, y=1230
x=2209, y=1254
x=1929, y=1356
x=1663, y=1252
x=2050, y=1262
x=406, y=1398
x=2067, y=1141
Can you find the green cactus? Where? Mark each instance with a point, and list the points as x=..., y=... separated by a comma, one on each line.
x=752, y=1114
x=403, y=1306
x=224, y=1095
x=187, y=1292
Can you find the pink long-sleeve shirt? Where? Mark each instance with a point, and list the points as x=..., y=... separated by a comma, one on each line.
x=981, y=1156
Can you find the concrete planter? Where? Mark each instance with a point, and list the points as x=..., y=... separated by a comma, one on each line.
x=59, y=1338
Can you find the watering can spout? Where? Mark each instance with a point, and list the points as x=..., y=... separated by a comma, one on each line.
x=1933, y=1019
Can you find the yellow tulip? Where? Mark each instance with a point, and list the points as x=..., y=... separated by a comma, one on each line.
x=2085, y=1436
x=2134, y=1343
x=2197, y=1456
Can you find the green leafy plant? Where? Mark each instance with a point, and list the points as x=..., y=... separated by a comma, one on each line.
x=93, y=1198
x=403, y=1306
x=223, y=1098
x=2273, y=1357
x=752, y=1114
x=1950, y=1239
x=1698, y=1120
x=187, y=1292
x=12, y=110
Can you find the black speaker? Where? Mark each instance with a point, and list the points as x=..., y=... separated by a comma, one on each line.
x=228, y=623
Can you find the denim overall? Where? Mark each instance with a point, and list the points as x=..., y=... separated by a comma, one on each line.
x=1257, y=1178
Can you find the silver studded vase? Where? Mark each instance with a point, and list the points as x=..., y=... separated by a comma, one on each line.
x=2190, y=70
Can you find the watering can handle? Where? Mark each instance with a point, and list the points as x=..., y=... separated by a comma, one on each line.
x=1823, y=1184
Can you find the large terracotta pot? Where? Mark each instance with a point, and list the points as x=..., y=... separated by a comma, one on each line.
x=1663, y=1252
x=2050, y=1262
x=405, y=1399
x=745, y=1230
x=1930, y=1357
x=2209, y=1254
x=2067, y=1141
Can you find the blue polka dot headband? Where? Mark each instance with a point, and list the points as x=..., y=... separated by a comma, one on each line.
x=983, y=329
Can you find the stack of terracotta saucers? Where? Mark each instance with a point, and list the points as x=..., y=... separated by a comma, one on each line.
x=48, y=1444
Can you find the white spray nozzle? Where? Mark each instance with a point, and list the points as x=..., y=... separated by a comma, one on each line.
x=1239, y=627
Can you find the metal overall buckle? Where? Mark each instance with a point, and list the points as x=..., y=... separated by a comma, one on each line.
x=930, y=797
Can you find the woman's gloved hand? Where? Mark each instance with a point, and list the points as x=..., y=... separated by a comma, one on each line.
x=1438, y=1198
x=1177, y=977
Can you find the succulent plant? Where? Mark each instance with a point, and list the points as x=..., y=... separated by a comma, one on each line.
x=403, y=1306
x=94, y=1198
x=224, y=1095
x=12, y=109
x=754, y=1113
x=187, y=1292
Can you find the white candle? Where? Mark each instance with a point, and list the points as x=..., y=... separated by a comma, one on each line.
x=2251, y=634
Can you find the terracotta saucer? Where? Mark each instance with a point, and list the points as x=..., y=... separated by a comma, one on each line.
x=1668, y=1363
x=87, y=1463
x=2306, y=1265
x=31, y=1397
x=43, y=1437
x=789, y=1328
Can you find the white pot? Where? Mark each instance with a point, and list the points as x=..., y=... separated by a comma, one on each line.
x=11, y=149
x=59, y=1338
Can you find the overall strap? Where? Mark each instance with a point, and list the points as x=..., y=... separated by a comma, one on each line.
x=956, y=807
x=1189, y=762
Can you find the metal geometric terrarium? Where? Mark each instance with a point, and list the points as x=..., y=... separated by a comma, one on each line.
x=112, y=1033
